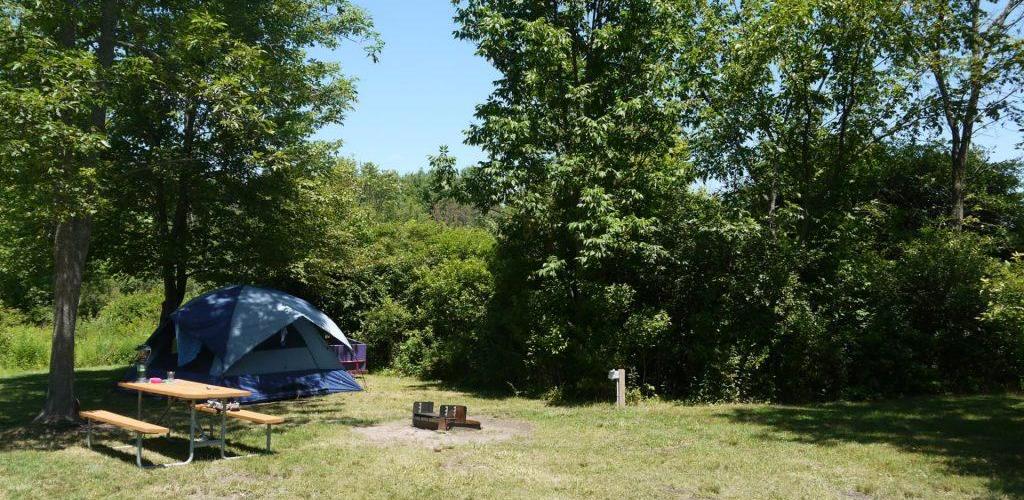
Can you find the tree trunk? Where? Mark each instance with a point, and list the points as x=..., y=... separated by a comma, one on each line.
x=961, y=147
x=175, y=266
x=173, y=244
x=71, y=245
x=174, y=291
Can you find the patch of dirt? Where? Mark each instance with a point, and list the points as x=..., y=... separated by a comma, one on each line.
x=401, y=432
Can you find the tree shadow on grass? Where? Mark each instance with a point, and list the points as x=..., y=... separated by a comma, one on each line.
x=21, y=398
x=500, y=394
x=475, y=391
x=169, y=450
x=979, y=436
x=321, y=410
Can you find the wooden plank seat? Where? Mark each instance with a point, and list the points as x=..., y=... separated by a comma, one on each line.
x=246, y=415
x=139, y=427
x=127, y=423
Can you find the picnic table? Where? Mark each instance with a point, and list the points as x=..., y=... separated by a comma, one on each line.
x=191, y=393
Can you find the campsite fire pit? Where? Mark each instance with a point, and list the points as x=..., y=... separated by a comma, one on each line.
x=423, y=417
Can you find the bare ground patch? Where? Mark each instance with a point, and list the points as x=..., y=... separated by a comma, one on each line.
x=401, y=432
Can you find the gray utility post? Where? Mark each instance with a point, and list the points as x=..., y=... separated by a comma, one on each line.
x=619, y=377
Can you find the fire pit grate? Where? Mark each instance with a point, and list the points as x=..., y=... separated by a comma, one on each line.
x=424, y=417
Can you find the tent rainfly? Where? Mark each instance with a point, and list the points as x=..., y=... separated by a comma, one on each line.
x=267, y=342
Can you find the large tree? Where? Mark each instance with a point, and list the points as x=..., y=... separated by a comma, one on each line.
x=219, y=108
x=801, y=93
x=975, y=54
x=203, y=166
x=582, y=134
x=53, y=86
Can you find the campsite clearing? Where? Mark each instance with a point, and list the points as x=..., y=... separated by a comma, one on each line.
x=955, y=447
x=400, y=433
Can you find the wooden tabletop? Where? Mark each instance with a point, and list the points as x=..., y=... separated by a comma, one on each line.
x=185, y=389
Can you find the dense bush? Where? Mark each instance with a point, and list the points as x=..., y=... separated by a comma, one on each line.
x=450, y=304
x=386, y=261
x=417, y=295
x=1003, y=292
x=22, y=345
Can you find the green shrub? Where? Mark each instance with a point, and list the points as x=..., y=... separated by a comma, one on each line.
x=436, y=330
x=414, y=355
x=1004, y=313
x=384, y=327
x=382, y=265
x=450, y=302
x=121, y=325
x=931, y=318
x=22, y=346
x=25, y=347
x=1004, y=294
x=10, y=317
x=124, y=321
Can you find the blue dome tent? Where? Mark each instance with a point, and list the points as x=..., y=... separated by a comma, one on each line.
x=267, y=342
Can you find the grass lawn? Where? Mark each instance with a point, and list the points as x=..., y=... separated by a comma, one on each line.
x=951, y=447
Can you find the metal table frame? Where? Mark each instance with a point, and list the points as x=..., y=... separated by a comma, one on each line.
x=193, y=443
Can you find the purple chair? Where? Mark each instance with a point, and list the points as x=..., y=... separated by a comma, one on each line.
x=354, y=360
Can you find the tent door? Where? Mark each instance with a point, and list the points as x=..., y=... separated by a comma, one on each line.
x=304, y=350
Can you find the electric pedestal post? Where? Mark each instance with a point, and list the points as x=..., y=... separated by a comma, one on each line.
x=619, y=377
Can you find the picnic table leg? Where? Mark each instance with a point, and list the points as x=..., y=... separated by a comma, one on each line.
x=191, y=435
x=138, y=407
x=268, y=438
x=88, y=434
x=191, y=430
x=138, y=450
x=223, y=427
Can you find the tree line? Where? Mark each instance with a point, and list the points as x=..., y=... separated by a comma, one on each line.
x=777, y=200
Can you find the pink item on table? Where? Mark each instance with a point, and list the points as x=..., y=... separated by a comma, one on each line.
x=155, y=380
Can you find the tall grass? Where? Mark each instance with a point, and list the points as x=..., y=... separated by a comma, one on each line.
x=107, y=338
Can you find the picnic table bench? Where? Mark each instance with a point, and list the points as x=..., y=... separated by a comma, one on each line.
x=127, y=423
x=246, y=415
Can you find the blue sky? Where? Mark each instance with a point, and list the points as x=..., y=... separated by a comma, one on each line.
x=419, y=96
x=423, y=91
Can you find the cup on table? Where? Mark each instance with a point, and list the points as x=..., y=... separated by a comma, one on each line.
x=170, y=376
